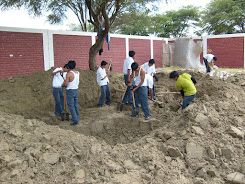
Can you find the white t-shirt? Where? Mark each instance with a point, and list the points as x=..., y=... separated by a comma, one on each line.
x=209, y=57
x=137, y=79
x=58, y=80
x=149, y=80
x=101, y=73
x=127, y=65
x=74, y=84
x=149, y=69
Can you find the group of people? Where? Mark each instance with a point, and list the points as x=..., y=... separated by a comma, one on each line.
x=139, y=81
x=68, y=78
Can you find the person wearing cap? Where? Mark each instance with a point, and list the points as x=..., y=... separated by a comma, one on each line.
x=209, y=59
x=127, y=71
x=59, y=75
x=140, y=90
x=103, y=82
x=185, y=83
x=150, y=69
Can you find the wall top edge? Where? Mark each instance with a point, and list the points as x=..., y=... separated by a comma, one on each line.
x=79, y=33
x=30, y=30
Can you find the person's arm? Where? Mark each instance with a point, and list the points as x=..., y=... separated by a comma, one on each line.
x=142, y=76
x=209, y=66
x=193, y=80
x=68, y=75
x=151, y=93
x=129, y=77
x=105, y=76
x=55, y=72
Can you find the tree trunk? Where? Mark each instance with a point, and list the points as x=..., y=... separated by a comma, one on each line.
x=95, y=49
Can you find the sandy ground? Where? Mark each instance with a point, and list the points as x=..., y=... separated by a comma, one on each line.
x=202, y=145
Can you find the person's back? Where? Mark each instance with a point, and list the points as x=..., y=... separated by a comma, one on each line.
x=185, y=83
x=71, y=83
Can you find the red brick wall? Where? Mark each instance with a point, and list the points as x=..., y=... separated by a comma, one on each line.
x=71, y=47
x=157, y=52
x=230, y=51
x=117, y=53
x=27, y=51
x=142, y=49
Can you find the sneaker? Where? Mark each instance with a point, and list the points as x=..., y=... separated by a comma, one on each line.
x=147, y=117
x=99, y=106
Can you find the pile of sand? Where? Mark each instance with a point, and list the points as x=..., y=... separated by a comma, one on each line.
x=204, y=144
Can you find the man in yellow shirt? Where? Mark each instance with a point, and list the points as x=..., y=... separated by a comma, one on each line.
x=185, y=83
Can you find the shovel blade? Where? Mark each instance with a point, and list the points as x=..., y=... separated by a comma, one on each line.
x=67, y=116
x=119, y=106
x=62, y=115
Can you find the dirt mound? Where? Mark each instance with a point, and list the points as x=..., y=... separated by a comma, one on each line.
x=204, y=144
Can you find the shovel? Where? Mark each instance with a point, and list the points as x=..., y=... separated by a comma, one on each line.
x=64, y=115
x=134, y=112
x=120, y=104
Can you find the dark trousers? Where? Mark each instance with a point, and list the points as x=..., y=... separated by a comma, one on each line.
x=206, y=64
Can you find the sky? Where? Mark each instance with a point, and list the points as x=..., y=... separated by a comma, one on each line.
x=21, y=18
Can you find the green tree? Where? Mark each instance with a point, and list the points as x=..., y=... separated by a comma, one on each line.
x=161, y=25
x=224, y=17
x=182, y=20
x=132, y=23
x=100, y=13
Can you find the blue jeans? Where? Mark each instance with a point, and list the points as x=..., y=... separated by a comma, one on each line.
x=206, y=64
x=72, y=102
x=154, y=93
x=59, y=100
x=128, y=95
x=187, y=100
x=141, y=96
x=105, y=91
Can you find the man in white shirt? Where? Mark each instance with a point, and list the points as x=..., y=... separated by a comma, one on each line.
x=209, y=59
x=128, y=99
x=59, y=75
x=103, y=82
x=150, y=67
x=150, y=84
x=150, y=70
x=71, y=83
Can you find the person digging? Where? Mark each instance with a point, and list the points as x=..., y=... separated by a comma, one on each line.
x=185, y=83
x=140, y=90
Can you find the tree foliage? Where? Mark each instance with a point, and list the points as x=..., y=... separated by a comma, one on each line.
x=182, y=20
x=224, y=17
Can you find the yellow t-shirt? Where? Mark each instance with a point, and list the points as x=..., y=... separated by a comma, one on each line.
x=185, y=83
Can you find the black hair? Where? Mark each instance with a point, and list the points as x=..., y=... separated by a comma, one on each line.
x=173, y=74
x=152, y=61
x=66, y=66
x=134, y=66
x=215, y=58
x=103, y=63
x=156, y=77
x=71, y=64
x=131, y=53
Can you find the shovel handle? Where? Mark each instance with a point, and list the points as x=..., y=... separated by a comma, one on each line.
x=133, y=99
x=126, y=87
